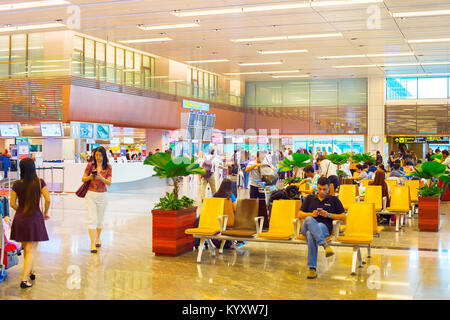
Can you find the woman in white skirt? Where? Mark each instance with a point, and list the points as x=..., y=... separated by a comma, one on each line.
x=99, y=173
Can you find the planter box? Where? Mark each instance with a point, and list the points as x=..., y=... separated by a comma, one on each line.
x=168, y=236
x=429, y=216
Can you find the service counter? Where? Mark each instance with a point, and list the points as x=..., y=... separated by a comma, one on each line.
x=123, y=174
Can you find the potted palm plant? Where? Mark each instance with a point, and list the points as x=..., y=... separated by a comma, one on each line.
x=363, y=157
x=429, y=194
x=173, y=215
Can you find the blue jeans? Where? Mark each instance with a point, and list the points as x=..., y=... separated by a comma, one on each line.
x=315, y=233
x=246, y=179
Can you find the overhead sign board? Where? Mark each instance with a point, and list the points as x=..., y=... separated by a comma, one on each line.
x=187, y=104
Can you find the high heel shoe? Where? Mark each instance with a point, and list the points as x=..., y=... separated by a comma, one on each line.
x=32, y=276
x=25, y=284
x=98, y=245
x=93, y=251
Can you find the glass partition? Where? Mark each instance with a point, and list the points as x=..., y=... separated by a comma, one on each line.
x=417, y=87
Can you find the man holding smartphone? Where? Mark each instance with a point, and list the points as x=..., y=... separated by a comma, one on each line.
x=318, y=212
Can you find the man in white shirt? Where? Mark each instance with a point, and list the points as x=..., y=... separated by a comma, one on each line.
x=329, y=170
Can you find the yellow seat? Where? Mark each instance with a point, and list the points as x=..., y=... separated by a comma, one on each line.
x=301, y=187
x=388, y=174
x=355, y=174
x=391, y=183
x=359, y=224
x=365, y=183
x=281, y=226
x=399, y=199
x=413, y=189
x=374, y=195
x=208, y=224
x=408, y=171
x=347, y=194
x=298, y=206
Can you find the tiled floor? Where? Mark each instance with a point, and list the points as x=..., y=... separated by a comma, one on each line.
x=126, y=268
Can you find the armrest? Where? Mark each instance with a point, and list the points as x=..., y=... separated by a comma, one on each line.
x=223, y=219
x=259, y=221
x=336, y=226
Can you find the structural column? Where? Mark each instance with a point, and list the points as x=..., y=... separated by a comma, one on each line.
x=376, y=115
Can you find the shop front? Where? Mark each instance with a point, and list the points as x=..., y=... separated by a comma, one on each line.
x=418, y=143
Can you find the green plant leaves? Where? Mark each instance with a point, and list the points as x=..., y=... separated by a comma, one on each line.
x=437, y=156
x=299, y=160
x=338, y=159
x=432, y=191
x=168, y=166
x=171, y=203
x=363, y=157
x=431, y=169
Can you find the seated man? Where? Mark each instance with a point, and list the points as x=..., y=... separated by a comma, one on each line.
x=396, y=172
x=318, y=212
x=362, y=174
x=312, y=179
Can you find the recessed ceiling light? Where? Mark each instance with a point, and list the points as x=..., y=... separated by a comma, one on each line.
x=395, y=64
x=282, y=51
x=168, y=26
x=287, y=6
x=304, y=36
x=369, y=55
x=260, y=63
x=293, y=76
x=32, y=27
x=260, y=72
x=32, y=4
x=208, y=61
x=145, y=40
x=421, y=13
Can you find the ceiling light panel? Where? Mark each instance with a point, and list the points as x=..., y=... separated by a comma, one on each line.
x=260, y=72
x=369, y=55
x=282, y=51
x=32, y=4
x=429, y=40
x=146, y=40
x=32, y=27
x=303, y=36
x=169, y=26
x=421, y=13
x=260, y=63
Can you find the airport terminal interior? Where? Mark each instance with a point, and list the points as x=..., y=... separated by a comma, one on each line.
x=226, y=150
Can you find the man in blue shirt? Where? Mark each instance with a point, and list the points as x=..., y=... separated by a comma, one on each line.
x=318, y=212
x=397, y=172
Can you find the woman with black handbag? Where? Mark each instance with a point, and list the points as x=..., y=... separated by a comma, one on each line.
x=28, y=225
x=98, y=173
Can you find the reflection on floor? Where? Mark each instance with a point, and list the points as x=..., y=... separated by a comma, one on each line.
x=126, y=268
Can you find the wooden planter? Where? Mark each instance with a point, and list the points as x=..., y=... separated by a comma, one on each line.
x=429, y=214
x=168, y=236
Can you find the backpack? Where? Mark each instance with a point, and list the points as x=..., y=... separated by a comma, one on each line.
x=208, y=166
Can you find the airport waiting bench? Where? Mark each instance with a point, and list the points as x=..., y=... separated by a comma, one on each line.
x=284, y=226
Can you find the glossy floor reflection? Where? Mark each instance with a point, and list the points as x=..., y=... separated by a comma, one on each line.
x=126, y=268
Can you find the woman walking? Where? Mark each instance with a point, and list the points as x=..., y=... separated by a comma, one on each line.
x=99, y=173
x=28, y=225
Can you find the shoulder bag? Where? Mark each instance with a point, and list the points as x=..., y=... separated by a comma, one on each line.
x=81, y=192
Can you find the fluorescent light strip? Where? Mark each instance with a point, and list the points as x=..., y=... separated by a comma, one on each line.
x=146, y=40
x=260, y=63
x=169, y=26
x=260, y=8
x=282, y=51
x=293, y=76
x=259, y=72
x=32, y=27
x=421, y=13
x=32, y=4
x=429, y=40
x=305, y=36
x=208, y=61
x=370, y=55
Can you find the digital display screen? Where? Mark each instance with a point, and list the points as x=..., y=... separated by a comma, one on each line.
x=207, y=134
x=86, y=130
x=211, y=121
x=192, y=118
x=102, y=132
x=51, y=129
x=190, y=133
x=9, y=130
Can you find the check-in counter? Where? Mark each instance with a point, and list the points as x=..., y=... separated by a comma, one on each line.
x=125, y=176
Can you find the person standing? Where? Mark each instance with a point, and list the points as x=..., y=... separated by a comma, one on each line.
x=211, y=163
x=429, y=154
x=379, y=158
x=28, y=225
x=255, y=175
x=329, y=170
x=446, y=162
x=318, y=212
x=99, y=173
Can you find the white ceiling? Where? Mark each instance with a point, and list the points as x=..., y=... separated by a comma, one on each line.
x=118, y=20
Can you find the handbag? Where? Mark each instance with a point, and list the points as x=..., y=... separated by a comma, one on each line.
x=81, y=192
